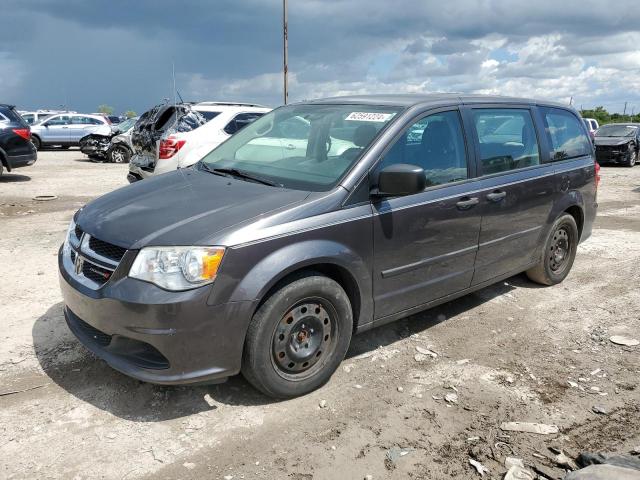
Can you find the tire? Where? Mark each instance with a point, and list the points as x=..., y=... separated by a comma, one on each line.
x=631, y=161
x=119, y=154
x=298, y=337
x=558, y=254
x=36, y=142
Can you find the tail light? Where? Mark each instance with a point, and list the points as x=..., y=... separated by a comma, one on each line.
x=170, y=146
x=597, y=175
x=23, y=132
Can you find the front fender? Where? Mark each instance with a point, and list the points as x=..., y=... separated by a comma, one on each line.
x=279, y=263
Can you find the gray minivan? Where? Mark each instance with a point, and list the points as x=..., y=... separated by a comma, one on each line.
x=265, y=259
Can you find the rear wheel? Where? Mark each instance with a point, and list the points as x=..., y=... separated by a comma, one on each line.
x=36, y=142
x=298, y=337
x=119, y=154
x=558, y=254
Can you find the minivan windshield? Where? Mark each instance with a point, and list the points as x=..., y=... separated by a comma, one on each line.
x=616, y=131
x=303, y=147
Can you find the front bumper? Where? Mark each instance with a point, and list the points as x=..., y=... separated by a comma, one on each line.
x=612, y=155
x=154, y=335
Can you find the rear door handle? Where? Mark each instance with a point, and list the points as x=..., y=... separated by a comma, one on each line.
x=467, y=202
x=496, y=196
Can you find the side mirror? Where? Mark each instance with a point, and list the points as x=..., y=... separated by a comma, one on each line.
x=400, y=179
x=46, y=124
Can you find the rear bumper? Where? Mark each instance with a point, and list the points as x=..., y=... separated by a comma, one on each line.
x=17, y=161
x=154, y=335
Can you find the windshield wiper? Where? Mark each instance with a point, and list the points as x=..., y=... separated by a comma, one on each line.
x=235, y=172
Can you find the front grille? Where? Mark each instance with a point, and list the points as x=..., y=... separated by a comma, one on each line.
x=96, y=273
x=108, y=250
x=98, y=337
x=92, y=258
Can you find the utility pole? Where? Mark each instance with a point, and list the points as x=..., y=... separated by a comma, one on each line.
x=571, y=101
x=285, y=56
x=624, y=112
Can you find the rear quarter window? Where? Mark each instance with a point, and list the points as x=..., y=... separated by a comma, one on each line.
x=11, y=115
x=565, y=133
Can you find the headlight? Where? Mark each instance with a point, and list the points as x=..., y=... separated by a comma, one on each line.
x=177, y=268
x=66, y=248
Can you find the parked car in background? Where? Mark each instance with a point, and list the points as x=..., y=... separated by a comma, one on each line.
x=36, y=117
x=164, y=139
x=99, y=146
x=266, y=266
x=592, y=125
x=67, y=129
x=16, y=149
x=618, y=143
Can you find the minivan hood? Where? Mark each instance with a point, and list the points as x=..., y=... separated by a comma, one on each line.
x=612, y=141
x=185, y=207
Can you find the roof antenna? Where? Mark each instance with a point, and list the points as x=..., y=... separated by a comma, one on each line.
x=180, y=96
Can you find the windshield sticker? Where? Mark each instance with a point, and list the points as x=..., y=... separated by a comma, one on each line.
x=369, y=116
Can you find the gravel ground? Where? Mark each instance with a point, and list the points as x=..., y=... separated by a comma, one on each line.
x=508, y=353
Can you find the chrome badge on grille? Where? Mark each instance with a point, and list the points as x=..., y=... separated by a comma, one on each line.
x=79, y=265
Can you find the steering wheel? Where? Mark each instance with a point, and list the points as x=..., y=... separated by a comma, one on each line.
x=328, y=144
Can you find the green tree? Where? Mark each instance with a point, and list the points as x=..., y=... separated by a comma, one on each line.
x=105, y=109
x=130, y=114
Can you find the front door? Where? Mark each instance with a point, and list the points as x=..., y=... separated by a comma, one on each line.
x=425, y=244
x=517, y=190
x=56, y=130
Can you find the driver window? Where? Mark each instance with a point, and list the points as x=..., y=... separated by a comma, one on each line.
x=62, y=120
x=435, y=143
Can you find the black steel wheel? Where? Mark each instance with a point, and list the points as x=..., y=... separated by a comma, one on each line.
x=302, y=337
x=558, y=253
x=559, y=250
x=298, y=336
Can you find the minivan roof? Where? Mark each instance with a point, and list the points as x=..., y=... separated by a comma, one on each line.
x=410, y=100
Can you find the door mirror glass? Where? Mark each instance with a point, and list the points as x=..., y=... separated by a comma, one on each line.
x=401, y=179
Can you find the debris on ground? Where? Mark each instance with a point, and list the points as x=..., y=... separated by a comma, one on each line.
x=513, y=462
x=599, y=410
x=322, y=404
x=451, y=398
x=481, y=469
x=626, y=341
x=539, y=428
x=519, y=473
x=394, y=454
x=426, y=351
x=563, y=461
x=604, y=472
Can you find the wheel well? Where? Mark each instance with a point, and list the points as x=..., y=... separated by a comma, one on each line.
x=577, y=214
x=3, y=160
x=335, y=272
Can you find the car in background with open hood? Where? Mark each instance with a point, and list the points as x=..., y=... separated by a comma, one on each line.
x=166, y=135
x=618, y=143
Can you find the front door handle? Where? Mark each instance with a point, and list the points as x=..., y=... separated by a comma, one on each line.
x=496, y=196
x=467, y=202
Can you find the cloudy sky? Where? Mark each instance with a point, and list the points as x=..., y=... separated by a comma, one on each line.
x=84, y=53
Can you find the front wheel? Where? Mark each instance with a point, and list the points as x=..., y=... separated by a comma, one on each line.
x=298, y=337
x=558, y=254
x=633, y=157
x=119, y=154
x=36, y=142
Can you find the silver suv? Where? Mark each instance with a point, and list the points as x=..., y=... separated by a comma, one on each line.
x=67, y=129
